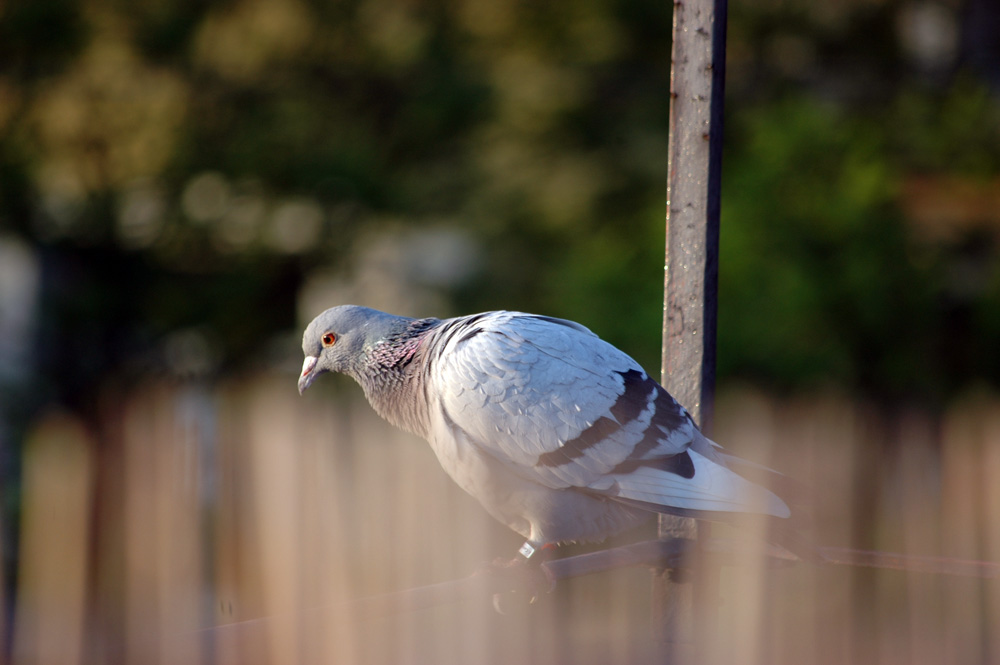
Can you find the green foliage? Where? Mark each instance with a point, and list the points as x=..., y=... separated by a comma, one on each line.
x=539, y=130
x=821, y=281
x=957, y=132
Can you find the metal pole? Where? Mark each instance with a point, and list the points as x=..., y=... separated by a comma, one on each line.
x=691, y=281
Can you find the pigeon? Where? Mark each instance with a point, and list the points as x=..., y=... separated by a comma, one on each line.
x=558, y=434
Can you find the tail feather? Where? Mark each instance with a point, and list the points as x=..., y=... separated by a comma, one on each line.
x=712, y=488
x=728, y=490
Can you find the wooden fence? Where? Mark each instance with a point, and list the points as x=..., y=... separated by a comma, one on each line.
x=219, y=526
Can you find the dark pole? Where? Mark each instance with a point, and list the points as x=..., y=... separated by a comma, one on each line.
x=691, y=282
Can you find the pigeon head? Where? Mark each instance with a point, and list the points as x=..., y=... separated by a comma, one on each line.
x=338, y=340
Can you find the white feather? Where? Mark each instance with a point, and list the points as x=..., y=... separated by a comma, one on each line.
x=713, y=487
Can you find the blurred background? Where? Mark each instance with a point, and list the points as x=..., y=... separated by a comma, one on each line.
x=184, y=184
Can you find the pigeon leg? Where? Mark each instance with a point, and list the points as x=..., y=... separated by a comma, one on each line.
x=545, y=552
x=524, y=579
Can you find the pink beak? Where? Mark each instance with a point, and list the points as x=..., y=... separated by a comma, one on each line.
x=307, y=375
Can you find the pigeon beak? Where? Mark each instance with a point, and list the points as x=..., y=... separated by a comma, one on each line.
x=308, y=375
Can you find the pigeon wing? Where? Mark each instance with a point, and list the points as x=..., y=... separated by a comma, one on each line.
x=564, y=409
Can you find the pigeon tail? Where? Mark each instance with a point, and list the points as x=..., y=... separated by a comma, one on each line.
x=711, y=488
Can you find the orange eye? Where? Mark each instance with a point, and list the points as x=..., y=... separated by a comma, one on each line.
x=329, y=339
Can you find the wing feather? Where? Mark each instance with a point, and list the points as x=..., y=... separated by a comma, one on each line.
x=711, y=487
x=564, y=409
x=532, y=390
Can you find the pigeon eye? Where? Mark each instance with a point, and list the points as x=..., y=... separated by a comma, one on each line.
x=329, y=339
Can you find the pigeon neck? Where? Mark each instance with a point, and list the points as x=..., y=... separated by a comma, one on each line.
x=391, y=380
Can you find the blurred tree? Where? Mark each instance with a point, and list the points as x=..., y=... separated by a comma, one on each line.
x=189, y=165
